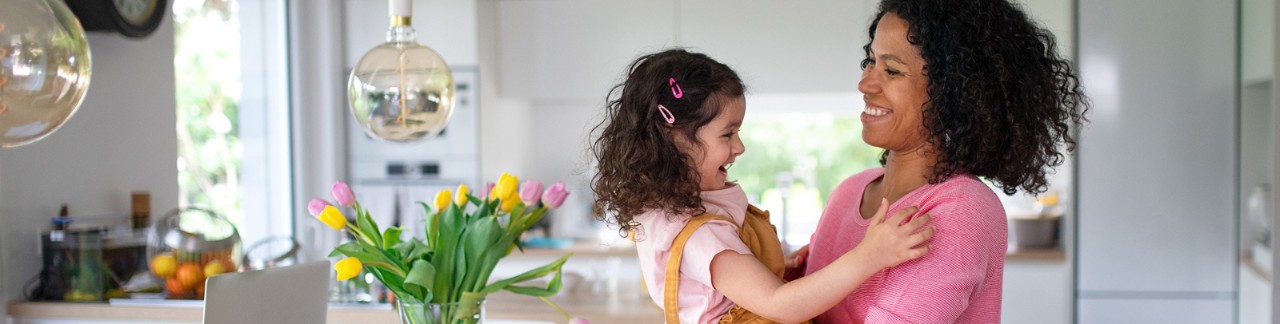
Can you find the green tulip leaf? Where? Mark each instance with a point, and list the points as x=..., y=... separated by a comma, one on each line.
x=421, y=277
x=391, y=237
x=366, y=225
x=346, y=249
x=481, y=234
x=539, y=272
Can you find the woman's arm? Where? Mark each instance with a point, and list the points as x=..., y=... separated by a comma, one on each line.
x=748, y=283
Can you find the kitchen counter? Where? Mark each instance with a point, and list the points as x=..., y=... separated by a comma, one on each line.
x=626, y=305
x=500, y=308
x=1055, y=253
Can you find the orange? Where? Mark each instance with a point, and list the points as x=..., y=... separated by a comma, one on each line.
x=226, y=262
x=189, y=275
x=200, y=290
x=174, y=287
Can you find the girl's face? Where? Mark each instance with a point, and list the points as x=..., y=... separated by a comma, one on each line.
x=718, y=145
x=895, y=88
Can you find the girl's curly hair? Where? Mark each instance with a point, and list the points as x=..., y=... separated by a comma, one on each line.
x=639, y=166
x=1001, y=99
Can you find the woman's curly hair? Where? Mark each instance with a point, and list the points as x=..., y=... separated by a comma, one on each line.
x=1001, y=99
x=638, y=164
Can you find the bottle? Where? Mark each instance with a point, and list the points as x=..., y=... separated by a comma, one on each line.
x=60, y=225
x=141, y=217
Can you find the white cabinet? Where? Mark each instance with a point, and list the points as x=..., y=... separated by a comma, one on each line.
x=1036, y=291
x=1255, y=297
x=782, y=46
x=558, y=49
x=447, y=26
x=578, y=49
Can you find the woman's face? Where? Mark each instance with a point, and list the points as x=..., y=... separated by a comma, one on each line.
x=895, y=89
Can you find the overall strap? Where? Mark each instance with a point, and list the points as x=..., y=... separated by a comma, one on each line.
x=671, y=287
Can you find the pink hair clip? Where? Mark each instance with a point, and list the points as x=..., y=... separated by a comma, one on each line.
x=675, y=88
x=666, y=114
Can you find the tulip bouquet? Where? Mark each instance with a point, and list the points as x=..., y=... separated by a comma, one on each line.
x=465, y=238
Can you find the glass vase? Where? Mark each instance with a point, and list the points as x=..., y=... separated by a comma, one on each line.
x=447, y=313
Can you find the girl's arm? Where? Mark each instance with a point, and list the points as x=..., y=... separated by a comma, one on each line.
x=888, y=242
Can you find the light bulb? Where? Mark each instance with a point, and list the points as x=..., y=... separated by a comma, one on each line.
x=44, y=69
x=401, y=91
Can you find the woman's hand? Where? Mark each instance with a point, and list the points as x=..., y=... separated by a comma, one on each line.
x=794, y=263
x=892, y=241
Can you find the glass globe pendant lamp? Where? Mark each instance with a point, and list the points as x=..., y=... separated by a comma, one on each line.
x=44, y=69
x=401, y=91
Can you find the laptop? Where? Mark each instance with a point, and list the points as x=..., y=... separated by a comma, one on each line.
x=294, y=294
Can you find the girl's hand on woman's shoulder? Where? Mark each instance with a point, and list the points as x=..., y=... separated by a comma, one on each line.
x=893, y=240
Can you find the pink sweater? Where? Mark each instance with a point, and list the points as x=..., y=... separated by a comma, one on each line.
x=959, y=281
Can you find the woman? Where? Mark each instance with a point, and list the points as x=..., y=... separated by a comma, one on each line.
x=955, y=91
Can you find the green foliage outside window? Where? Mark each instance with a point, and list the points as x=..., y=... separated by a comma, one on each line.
x=207, y=64
x=818, y=150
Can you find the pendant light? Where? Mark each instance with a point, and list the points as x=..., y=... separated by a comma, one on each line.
x=44, y=69
x=401, y=90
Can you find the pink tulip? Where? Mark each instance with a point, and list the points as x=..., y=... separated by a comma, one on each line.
x=342, y=194
x=554, y=196
x=488, y=189
x=579, y=320
x=316, y=206
x=530, y=192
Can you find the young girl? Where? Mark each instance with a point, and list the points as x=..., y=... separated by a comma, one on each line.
x=663, y=152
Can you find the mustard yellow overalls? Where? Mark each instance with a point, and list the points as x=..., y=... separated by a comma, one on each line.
x=756, y=232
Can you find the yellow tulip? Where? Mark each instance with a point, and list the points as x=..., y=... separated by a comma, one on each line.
x=507, y=185
x=333, y=217
x=461, y=198
x=442, y=199
x=509, y=202
x=348, y=268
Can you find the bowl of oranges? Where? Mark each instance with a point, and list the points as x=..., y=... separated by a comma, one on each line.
x=189, y=245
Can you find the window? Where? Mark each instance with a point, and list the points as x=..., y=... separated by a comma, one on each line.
x=797, y=155
x=232, y=118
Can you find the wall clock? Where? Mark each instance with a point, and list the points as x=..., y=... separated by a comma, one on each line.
x=132, y=18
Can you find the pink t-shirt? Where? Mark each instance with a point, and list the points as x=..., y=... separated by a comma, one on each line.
x=959, y=281
x=698, y=301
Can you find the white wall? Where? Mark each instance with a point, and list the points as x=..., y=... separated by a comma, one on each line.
x=122, y=139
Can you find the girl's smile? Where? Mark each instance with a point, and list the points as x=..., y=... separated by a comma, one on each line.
x=718, y=145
